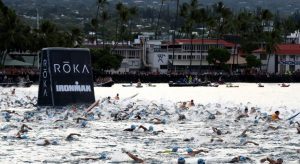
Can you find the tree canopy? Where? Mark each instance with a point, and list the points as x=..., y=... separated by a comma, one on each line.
x=104, y=59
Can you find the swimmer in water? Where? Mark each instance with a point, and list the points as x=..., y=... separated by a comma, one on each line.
x=271, y=161
x=24, y=129
x=298, y=128
x=117, y=97
x=239, y=159
x=192, y=152
x=158, y=121
x=242, y=115
x=70, y=136
x=132, y=156
x=131, y=129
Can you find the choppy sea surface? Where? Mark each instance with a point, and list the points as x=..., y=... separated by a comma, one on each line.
x=103, y=132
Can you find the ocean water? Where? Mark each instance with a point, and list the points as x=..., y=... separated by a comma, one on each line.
x=104, y=134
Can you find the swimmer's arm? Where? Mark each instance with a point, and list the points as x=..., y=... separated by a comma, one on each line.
x=134, y=157
x=251, y=142
x=199, y=151
x=80, y=118
x=297, y=123
x=73, y=134
x=143, y=127
x=57, y=121
x=268, y=159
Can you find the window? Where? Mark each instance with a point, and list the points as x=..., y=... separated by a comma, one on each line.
x=292, y=68
x=163, y=66
x=292, y=57
x=179, y=57
x=170, y=56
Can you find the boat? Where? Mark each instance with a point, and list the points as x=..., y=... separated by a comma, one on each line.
x=284, y=85
x=151, y=85
x=16, y=84
x=230, y=85
x=106, y=84
x=260, y=85
x=139, y=86
x=182, y=84
x=127, y=85
x=213, y=85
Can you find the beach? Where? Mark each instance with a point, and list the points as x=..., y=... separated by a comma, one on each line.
x=104, y=133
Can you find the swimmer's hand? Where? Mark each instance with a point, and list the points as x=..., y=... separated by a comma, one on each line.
x=124, y=150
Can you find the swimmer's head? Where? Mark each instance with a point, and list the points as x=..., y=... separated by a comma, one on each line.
x=201, y=161
x=189, y=150
x=242, y=158
x=102, y=155
x=132, y=127
x=175, y=149
x=181, y=160
x=279, y=160
x=151, y=128
x=164, y=121
x=242, y=140
x=83, y=124
x=277, y=113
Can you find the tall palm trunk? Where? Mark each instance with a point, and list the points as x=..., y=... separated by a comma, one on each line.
x=190, y=69
x=174, y=34
x=159, y=13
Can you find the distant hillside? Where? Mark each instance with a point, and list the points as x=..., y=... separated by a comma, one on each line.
x=80, y=12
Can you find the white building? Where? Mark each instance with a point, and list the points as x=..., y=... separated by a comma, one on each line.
x=286, y=59
x=161, y=56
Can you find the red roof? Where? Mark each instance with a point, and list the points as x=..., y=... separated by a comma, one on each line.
x=288, y=49
x=284, y=49
x=205, y=41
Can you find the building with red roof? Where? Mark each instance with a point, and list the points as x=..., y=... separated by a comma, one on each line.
x=285, y=59
x=186, y=54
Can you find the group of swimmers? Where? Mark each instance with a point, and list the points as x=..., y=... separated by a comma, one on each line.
x=184, y=105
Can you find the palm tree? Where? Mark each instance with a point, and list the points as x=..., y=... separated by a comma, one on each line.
x=272, y=39
x=125, y=14
x=221, y=14
x=174, y=33
x=158, y=17
x=101, y=4
x=190, y=12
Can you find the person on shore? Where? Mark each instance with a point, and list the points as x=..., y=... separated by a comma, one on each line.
x=132, y=156
x=239, y=159
x=275, y=116
x=117, y=97
x=271, y=161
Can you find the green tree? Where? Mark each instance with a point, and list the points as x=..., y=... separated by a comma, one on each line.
x=252, y=61
x=103, y=59
x=218, y=56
